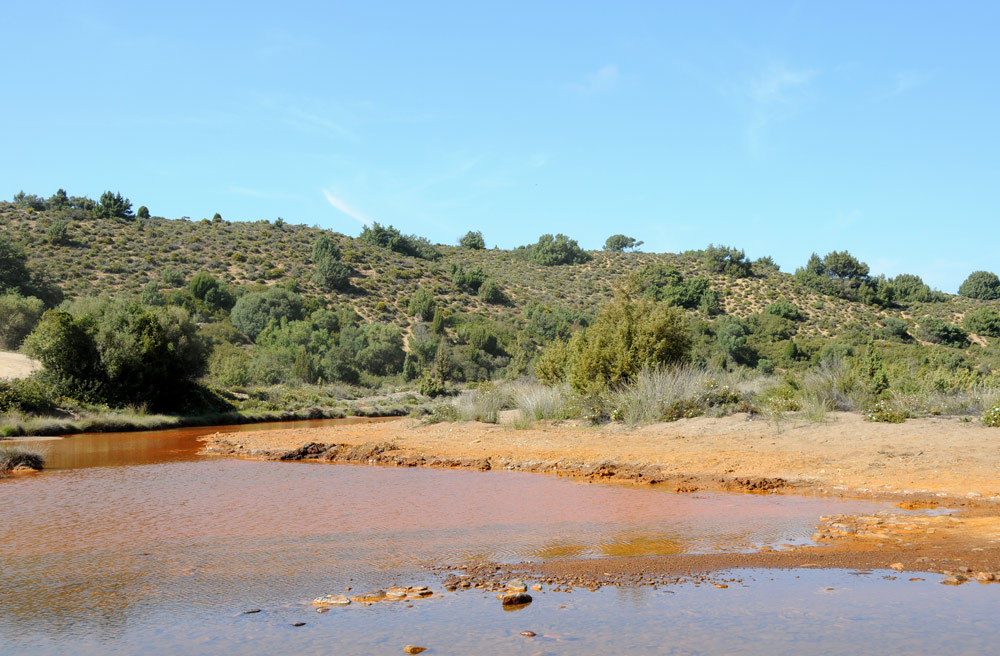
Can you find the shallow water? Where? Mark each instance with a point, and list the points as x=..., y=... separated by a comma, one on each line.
x=158, y=550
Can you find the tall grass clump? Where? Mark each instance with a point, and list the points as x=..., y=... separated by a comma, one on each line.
x=483, y=403
x=668, y=394
x=540, y=402
x=15, y=457
x=830, y=386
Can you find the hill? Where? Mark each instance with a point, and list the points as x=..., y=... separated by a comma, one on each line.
x=403, y=309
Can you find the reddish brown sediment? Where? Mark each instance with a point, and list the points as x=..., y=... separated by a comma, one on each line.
x=920, y=464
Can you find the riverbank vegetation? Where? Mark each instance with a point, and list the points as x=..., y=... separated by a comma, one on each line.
x=216, y=319
x=19, y=457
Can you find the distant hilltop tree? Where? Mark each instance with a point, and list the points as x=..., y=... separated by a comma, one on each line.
x=553, y=251
x=472, y=240
x=621, y=243
x=113, y=206
x=982, y=285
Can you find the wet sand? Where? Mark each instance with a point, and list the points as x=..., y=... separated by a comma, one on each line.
x=922, y=463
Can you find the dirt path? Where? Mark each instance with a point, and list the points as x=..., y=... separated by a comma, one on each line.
x=15, y=365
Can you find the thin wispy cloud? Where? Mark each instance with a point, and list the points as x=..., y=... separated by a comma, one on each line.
x=602, y=80
x=344, y=208
x=776, y=94
x=909, y=80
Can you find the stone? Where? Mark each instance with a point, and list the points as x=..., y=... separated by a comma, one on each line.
x=332, y=600
x=298, y=623
x=528, y=634
x=899, y=567
x=367, y=597
x=517, y=585
x=954, y=579
x=413, y=649
x=251, y=611
x=515, y=599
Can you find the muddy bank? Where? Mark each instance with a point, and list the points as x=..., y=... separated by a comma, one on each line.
x=936, y=458
x=921, y=464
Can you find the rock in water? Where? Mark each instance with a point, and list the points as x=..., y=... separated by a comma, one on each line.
x=528, y=634
x=332, y=600
x=374, y=595
x=516, y=599
x=413, y=649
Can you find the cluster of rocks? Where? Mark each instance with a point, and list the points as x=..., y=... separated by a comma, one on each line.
x=395, y=593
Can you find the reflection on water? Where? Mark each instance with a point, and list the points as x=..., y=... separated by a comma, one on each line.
x=162, y=550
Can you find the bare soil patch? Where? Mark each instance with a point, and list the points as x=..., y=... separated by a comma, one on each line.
x=15, y=365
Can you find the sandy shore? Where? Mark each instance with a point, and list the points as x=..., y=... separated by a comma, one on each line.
x=921, y=463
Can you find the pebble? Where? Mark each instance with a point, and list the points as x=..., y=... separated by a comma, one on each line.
x=517, y=585
x=413, y=649
x=536, y=588
x=298, y=623
x=332, y=600
x=528, y=634
x=899, y=567
x=251, y=611
x=954, y=579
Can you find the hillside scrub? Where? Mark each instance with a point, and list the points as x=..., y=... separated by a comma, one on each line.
x=266, y=315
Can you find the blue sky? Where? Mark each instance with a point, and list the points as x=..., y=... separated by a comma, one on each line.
x=780, y=128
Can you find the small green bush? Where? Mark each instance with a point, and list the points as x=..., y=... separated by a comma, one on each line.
x=984, y=285
x=992, y=417
x=557, y=250
x=472, y=240
x=982, y=321
x=884, y=413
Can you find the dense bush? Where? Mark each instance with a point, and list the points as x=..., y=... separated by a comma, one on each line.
x=113, y=206
x=619, y=243
x=119, y=352
x=211, y=292
x=491, y=293
x=626, y=336
x=841, y=274
x=554, y=251
x=467, y=279
x=330, y=272
x=472, y=240
x=982, y=321
x=18, y=317
x=254, y=311
x=983, y=285
x=937, y=331
x=394, y=240
x=422, y=304
x=730, y=261
x=14, y=275
x=784, y=309
x=663, y=282
x=909, y=288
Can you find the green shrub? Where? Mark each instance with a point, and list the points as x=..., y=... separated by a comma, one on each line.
x=472, y=240
x=470, y=280
x=394, y=240
x=982, y=321
x=491, y=293
x=557, y=250
x=784, y=309
x=983, y=285
x=113, y=206
x=330, y=272
x=619, y=243
x=626, y=336
x=992, y=417
x=884, y=413
x=211, y=292
x=937, y=331
x=18, y=317
x=730, y=261
x=252, y=312
x=422, y=304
